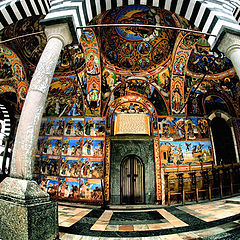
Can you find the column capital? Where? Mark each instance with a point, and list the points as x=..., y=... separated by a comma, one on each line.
x=60, y=31
x=227, y=41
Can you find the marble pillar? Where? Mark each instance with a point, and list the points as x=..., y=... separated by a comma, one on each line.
x=228, y=42
x=26, y=212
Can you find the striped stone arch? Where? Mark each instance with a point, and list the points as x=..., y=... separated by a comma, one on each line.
x=6, y=124
x=4, y=145
x=13, y=10
x=208, y=15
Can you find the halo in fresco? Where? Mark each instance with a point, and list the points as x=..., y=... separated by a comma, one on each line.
x=135, y=15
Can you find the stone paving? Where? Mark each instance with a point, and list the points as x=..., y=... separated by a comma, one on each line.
x=219, y=219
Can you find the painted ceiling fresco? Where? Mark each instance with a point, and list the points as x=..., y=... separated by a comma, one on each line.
x=137, y=49
x=30, y=48
x=203, y=60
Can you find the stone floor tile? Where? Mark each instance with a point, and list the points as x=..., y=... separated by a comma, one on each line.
x=89, y=238
x=171, y=218
x=66, y=224
x=154, y=226
x=140, y=227
x=112, y=227
x=98, y=227
x=188, y=235
x=209, y=232
x=68, y=236
x=126, y=228
x=171, y=237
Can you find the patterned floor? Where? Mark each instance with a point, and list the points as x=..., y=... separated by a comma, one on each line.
x=208, y=220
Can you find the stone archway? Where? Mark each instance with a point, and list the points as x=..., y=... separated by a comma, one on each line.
x=123, y=146
x=223, y=138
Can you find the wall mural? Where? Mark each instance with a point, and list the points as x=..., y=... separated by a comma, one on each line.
x=31, y=48
x=202, y=59
x=131, y=104
x=183, y=52
x=184, y=153
x=64, y=97
x=12, y=75
x=92, y=57
x=137, y=49
x=227, y=87
x=182, y=128
x=141, y=70
x=184, y=141
x=70, y=158
x=141, y=88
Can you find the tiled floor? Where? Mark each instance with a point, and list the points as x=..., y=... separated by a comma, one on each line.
x=208, y=220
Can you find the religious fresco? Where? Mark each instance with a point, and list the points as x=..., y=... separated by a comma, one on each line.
x=52, y=145
x=131, y=107
x=50, y=185
x=63, y=161
x=74, y=127
x=182, y=128
x=91, y=189
x=93, y=71
x=184, y=153
x=177, y=95
x=68, y=188
x=92, y=167
x=93, y=147
x=121, y=70
x=131, y=104
x=72, y=146
x=136, y=49
x=163, y=81
x=109, y=82
x=94, y=127
x=13, y=76
x=226, y=87
x=202, y=59
x=183, y=51
x=64, y=97
x=70, y=167
x=143, y=89
x=31, y=48
x=53, y=127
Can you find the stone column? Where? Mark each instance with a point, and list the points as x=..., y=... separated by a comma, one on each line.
x=228, y=42
x=25, y=210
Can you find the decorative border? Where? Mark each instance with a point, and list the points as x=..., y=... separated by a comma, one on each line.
x=157, y=169
x=107, y=170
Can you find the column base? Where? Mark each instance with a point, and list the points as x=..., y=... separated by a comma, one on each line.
x=26, y=212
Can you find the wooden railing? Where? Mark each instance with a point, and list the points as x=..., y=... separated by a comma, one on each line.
x=201, y=182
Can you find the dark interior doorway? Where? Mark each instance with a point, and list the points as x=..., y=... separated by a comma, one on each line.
x=132, y=180
x=223, y=141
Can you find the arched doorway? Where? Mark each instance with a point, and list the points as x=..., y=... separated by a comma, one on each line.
x=223, y=141
x=132, y=180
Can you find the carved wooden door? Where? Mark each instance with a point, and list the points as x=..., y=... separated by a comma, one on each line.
x=132, y=181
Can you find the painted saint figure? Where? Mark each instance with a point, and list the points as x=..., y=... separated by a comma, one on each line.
x=92, y=66
x=93, y=97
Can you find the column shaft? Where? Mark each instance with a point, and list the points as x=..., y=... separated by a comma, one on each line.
x=28, y=129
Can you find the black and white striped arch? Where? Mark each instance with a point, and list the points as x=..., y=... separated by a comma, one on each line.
x=5, y=122
x=13, y=10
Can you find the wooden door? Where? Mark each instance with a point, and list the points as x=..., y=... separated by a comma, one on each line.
x=132, y=180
